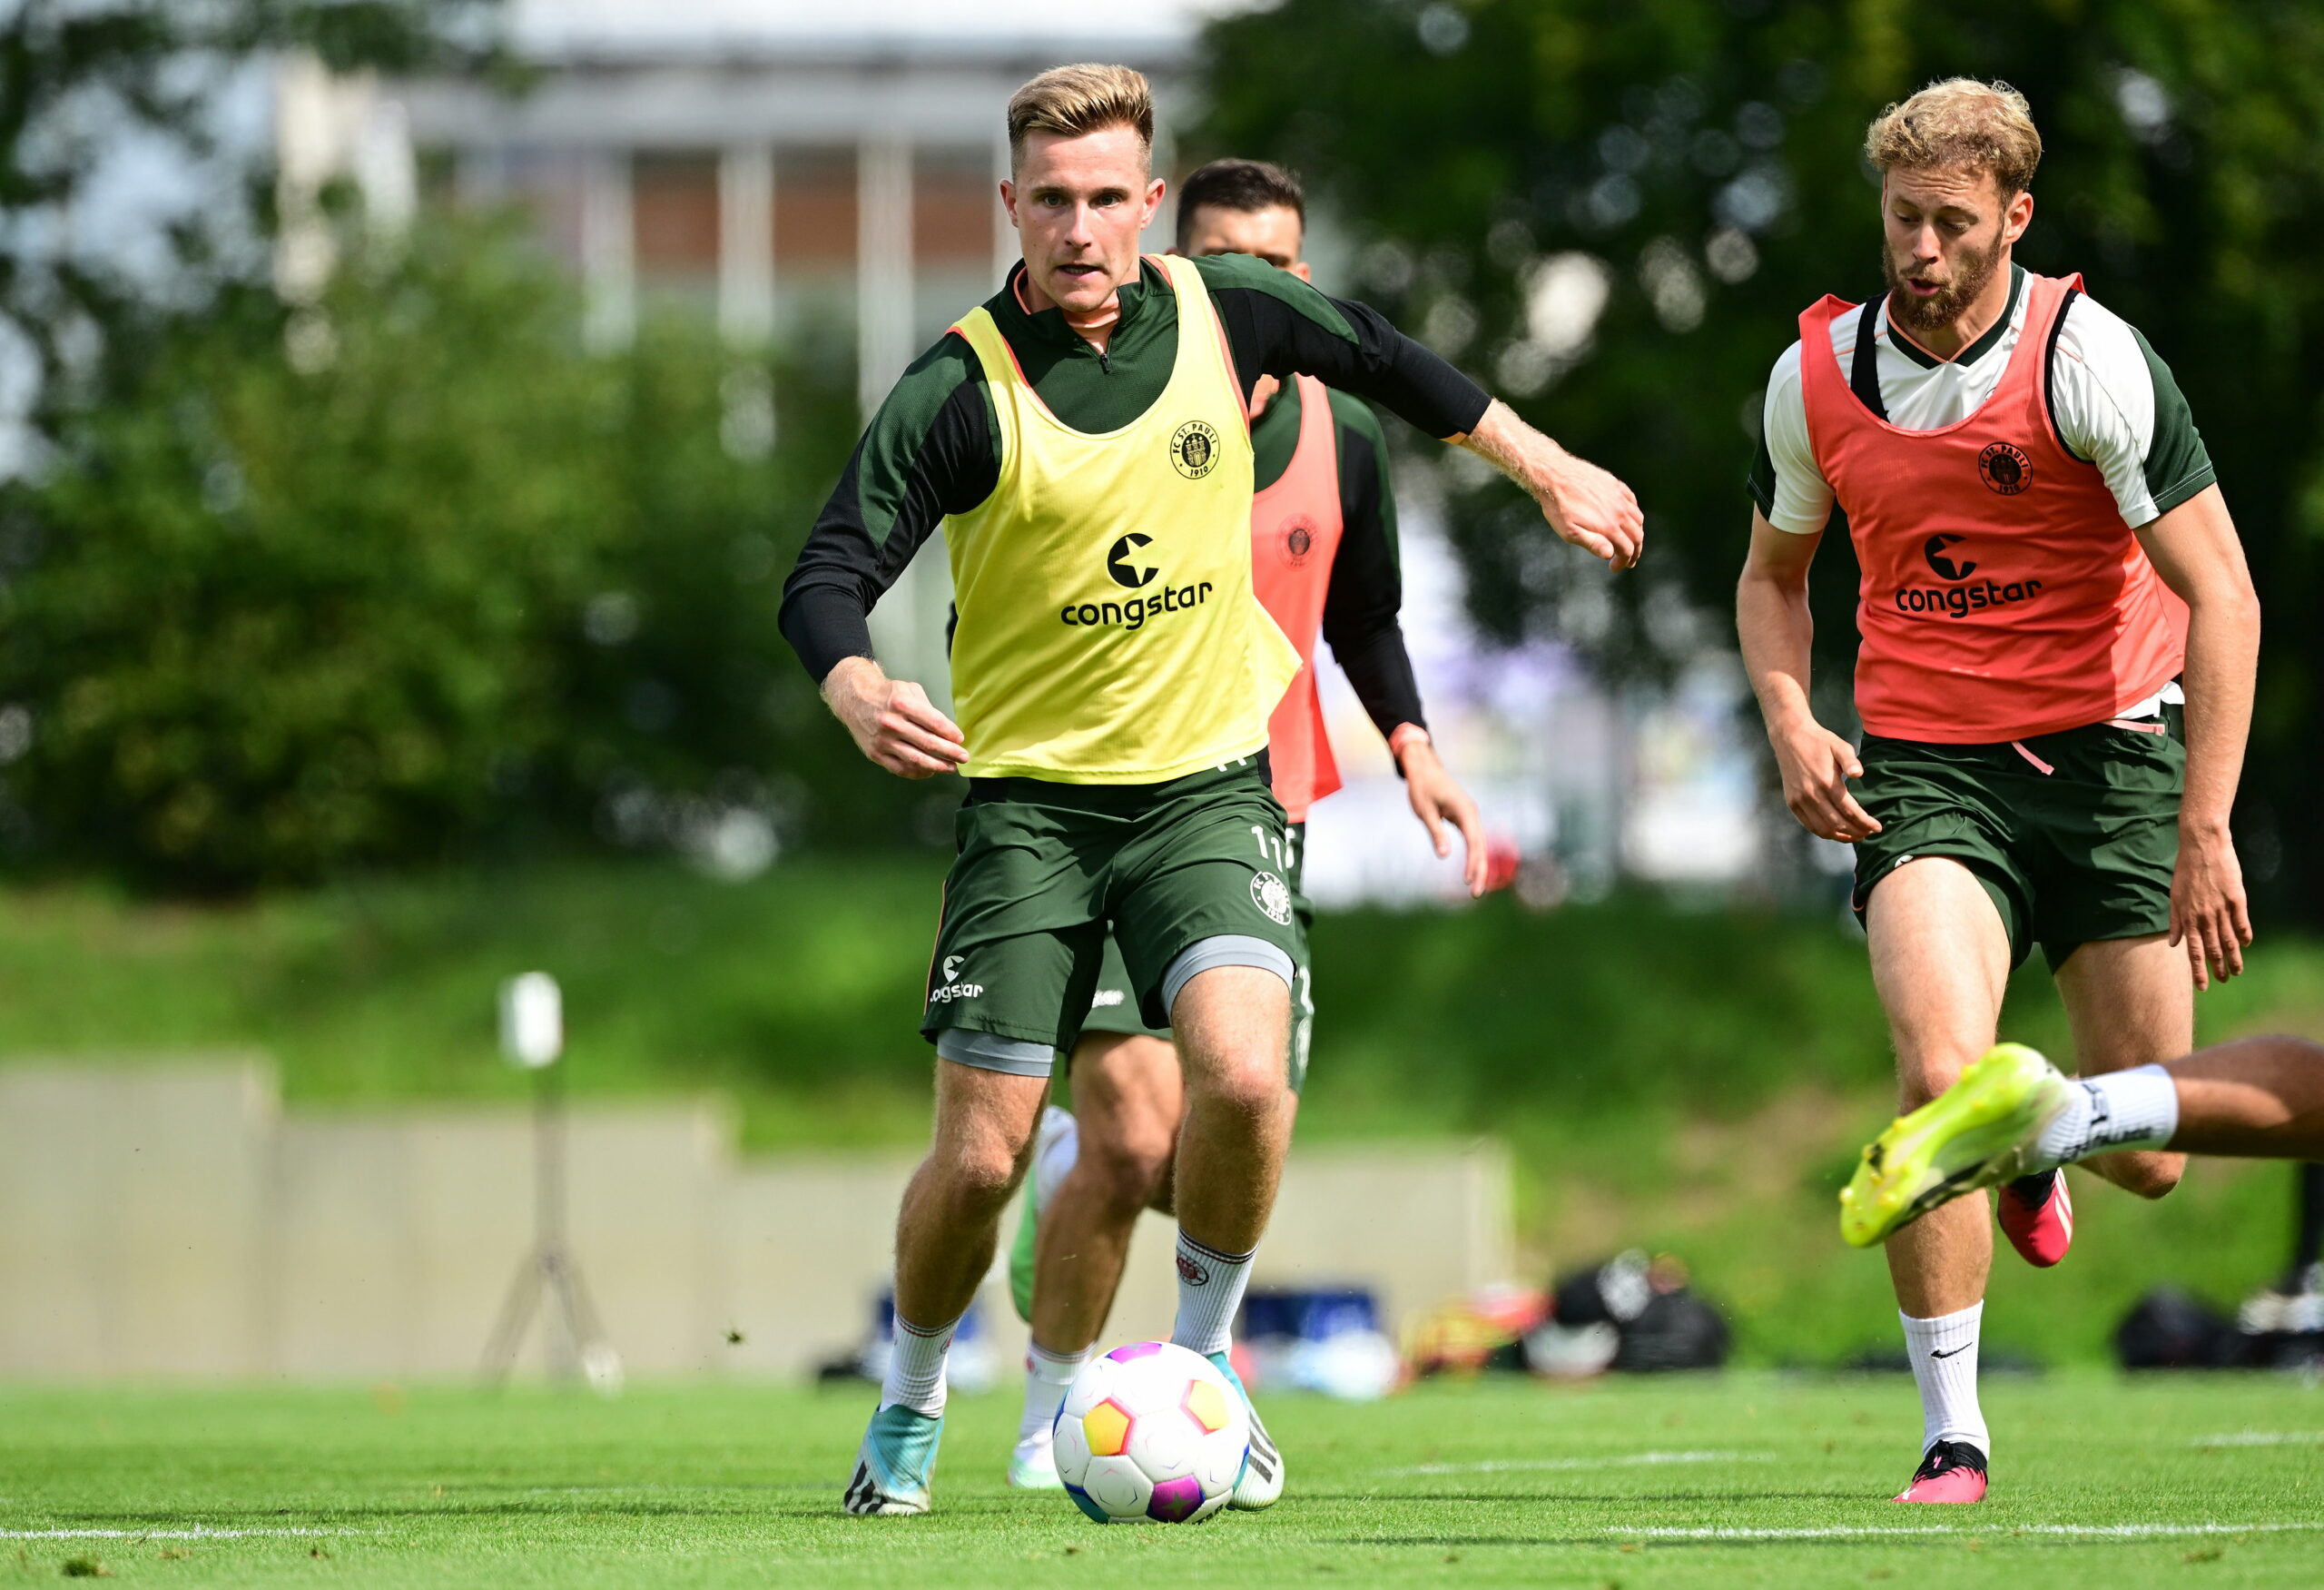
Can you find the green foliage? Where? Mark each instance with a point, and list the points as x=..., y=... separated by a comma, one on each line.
x=799, y=991
x=1708, y=153
x=409, y=576
x=83, y=80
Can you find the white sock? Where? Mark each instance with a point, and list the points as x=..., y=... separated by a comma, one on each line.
x=1210, y=1289
x=1944, y=1362
x=1055, y=1161
x=915, y=1368
x=2136, y=1109
x=1047, y=1375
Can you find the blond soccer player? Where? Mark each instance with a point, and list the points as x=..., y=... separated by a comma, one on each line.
x=2058, y=640
x=1080, y=440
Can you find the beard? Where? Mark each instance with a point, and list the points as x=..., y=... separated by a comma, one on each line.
x=1971, y=273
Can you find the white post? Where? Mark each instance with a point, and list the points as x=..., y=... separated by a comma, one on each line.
x=883, y=273
x=907, y=625
x=746, y=244
x=608, y=250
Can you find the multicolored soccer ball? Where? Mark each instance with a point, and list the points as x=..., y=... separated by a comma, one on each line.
x=1151, y=1433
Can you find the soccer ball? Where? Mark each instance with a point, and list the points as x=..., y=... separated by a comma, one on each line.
x=1151, y=1433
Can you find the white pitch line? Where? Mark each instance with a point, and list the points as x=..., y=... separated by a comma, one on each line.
x=1544, y=1464
x=199, y=1532
x=2263, y=1438
x=1842, y=1532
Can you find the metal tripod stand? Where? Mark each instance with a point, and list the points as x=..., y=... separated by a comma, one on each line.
x=576, y=1342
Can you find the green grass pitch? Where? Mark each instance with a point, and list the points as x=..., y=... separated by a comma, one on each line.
x=1745, y=1480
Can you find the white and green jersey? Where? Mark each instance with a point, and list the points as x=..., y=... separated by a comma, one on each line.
x=2114, y=403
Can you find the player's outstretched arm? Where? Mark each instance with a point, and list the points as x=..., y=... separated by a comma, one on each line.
x=2194, y=549
x=1278, y=325
x=1772, y=620
x=1585, y=504
x=893, y=720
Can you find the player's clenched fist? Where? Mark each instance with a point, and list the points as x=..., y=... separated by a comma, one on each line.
x=1594, y=509
x=893, y=720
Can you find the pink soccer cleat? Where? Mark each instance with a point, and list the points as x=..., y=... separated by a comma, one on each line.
x=1954, y=1471
x=2037, y=1217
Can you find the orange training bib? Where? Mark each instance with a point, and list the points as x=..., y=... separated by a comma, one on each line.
x=2001, y=594
x=1295, y=527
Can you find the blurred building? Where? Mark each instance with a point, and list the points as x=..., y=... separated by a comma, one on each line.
x=813, y=175
x=813, y=171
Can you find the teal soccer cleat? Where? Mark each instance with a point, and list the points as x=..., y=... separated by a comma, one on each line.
x=896, y=1464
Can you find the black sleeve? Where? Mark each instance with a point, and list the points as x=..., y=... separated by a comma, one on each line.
x=1367, y=590
x=929, y=452
x=1280, y=326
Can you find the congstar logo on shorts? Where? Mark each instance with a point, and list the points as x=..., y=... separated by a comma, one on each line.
x=953, y=987
x=1194, y=449
x=1271, y=895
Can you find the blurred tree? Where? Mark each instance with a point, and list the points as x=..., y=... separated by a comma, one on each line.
x=411, y=576
x=1614, y=213
x=88, y=85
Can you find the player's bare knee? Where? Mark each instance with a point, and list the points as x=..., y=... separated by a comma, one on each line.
x=1249, y=1084
x=1127, y=1168
x=2149, y=1175
x=1921, y=1078
x=978, y=1170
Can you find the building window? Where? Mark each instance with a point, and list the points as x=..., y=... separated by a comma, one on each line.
x=673, y=207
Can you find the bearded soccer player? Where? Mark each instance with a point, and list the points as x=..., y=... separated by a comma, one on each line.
x=2058, y=642
x=1080, y=440
x=1324, y=558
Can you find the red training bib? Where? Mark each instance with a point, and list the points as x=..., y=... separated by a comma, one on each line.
x=1295, y=527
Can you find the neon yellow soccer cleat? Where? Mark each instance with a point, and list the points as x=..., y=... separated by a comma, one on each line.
x=1979, y=1131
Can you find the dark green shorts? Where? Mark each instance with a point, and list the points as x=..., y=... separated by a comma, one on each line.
x=1190, y=875
x=2075, y=835
x=1115, y=1009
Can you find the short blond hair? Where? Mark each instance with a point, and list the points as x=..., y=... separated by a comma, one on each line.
x=1959, y=121
x=1077, y=100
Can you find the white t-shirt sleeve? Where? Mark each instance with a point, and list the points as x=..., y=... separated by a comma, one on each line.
x=1802, y=498
x=2102, y=394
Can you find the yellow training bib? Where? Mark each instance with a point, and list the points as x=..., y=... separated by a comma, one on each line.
x=1108, y=632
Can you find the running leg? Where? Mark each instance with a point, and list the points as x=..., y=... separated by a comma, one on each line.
x=1940, y=961
x=1128, y=1097
x=945, y=1238
x=1234, y=1028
